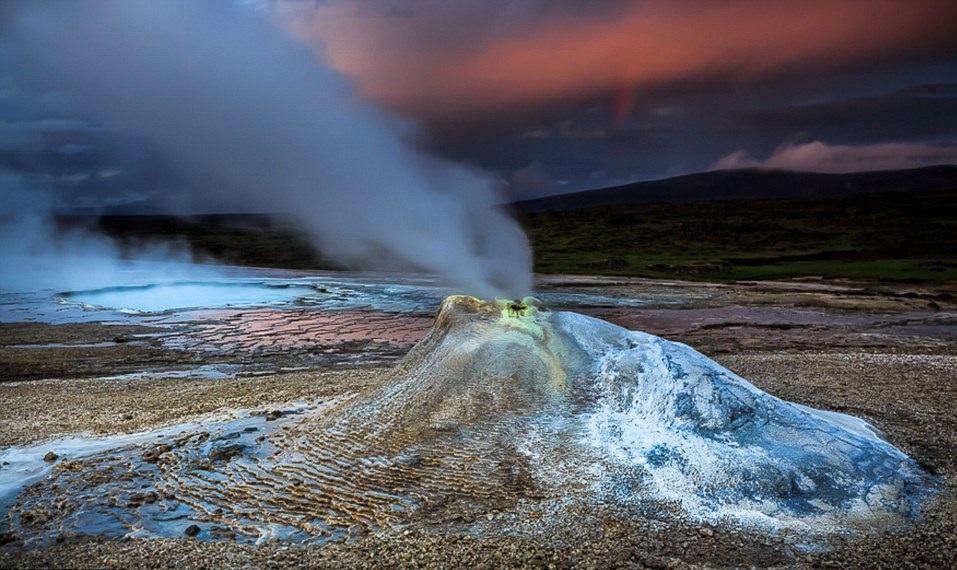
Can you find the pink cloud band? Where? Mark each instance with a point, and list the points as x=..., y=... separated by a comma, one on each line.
x=819, y=156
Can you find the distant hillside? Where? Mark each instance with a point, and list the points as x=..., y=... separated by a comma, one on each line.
x=890, y=235
x=750, y=184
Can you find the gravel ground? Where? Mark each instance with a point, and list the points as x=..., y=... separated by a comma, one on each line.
x=912, y=397
x=34, y=411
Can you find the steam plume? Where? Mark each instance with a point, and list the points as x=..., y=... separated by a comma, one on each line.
x=237, y=104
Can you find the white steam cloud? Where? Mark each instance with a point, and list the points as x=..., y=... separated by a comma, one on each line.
x=239, y=106
x=37, y=254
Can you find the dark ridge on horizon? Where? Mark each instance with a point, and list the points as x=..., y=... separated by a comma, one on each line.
x=749, y=184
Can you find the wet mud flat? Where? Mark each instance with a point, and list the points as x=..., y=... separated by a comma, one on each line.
x=886, y=357
x=713, y=318
x=207, y=344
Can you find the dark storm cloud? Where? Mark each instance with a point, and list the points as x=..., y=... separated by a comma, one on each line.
x=675, y=85
x=81, y=165
x=917, y=112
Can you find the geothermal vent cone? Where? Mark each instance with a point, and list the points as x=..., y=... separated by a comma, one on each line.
x=505, y=405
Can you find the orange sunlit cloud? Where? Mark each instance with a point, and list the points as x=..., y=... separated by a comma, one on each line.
x=414, y=64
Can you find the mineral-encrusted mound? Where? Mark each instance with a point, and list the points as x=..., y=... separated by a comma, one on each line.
x=503, y=405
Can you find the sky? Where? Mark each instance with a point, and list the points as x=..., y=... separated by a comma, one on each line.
x=555, y=95
x=551, y=96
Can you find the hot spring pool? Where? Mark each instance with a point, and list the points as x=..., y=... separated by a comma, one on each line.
x=170, y=297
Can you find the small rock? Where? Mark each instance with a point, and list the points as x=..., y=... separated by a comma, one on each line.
x=226, y=452
x=706, y=532
x=273, y=415
x=135, y=500
x=50, y=457
x=654, y=562
x=191, y=530
x=153, y=455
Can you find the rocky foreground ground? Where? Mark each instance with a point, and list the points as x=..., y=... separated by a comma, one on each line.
x=902, y=380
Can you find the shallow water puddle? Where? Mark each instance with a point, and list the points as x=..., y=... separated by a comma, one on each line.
x=121, y=476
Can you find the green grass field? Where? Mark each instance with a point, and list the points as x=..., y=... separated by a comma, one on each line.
x=896, y=236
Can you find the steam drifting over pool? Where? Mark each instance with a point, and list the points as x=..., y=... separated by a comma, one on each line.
x=246, y=116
